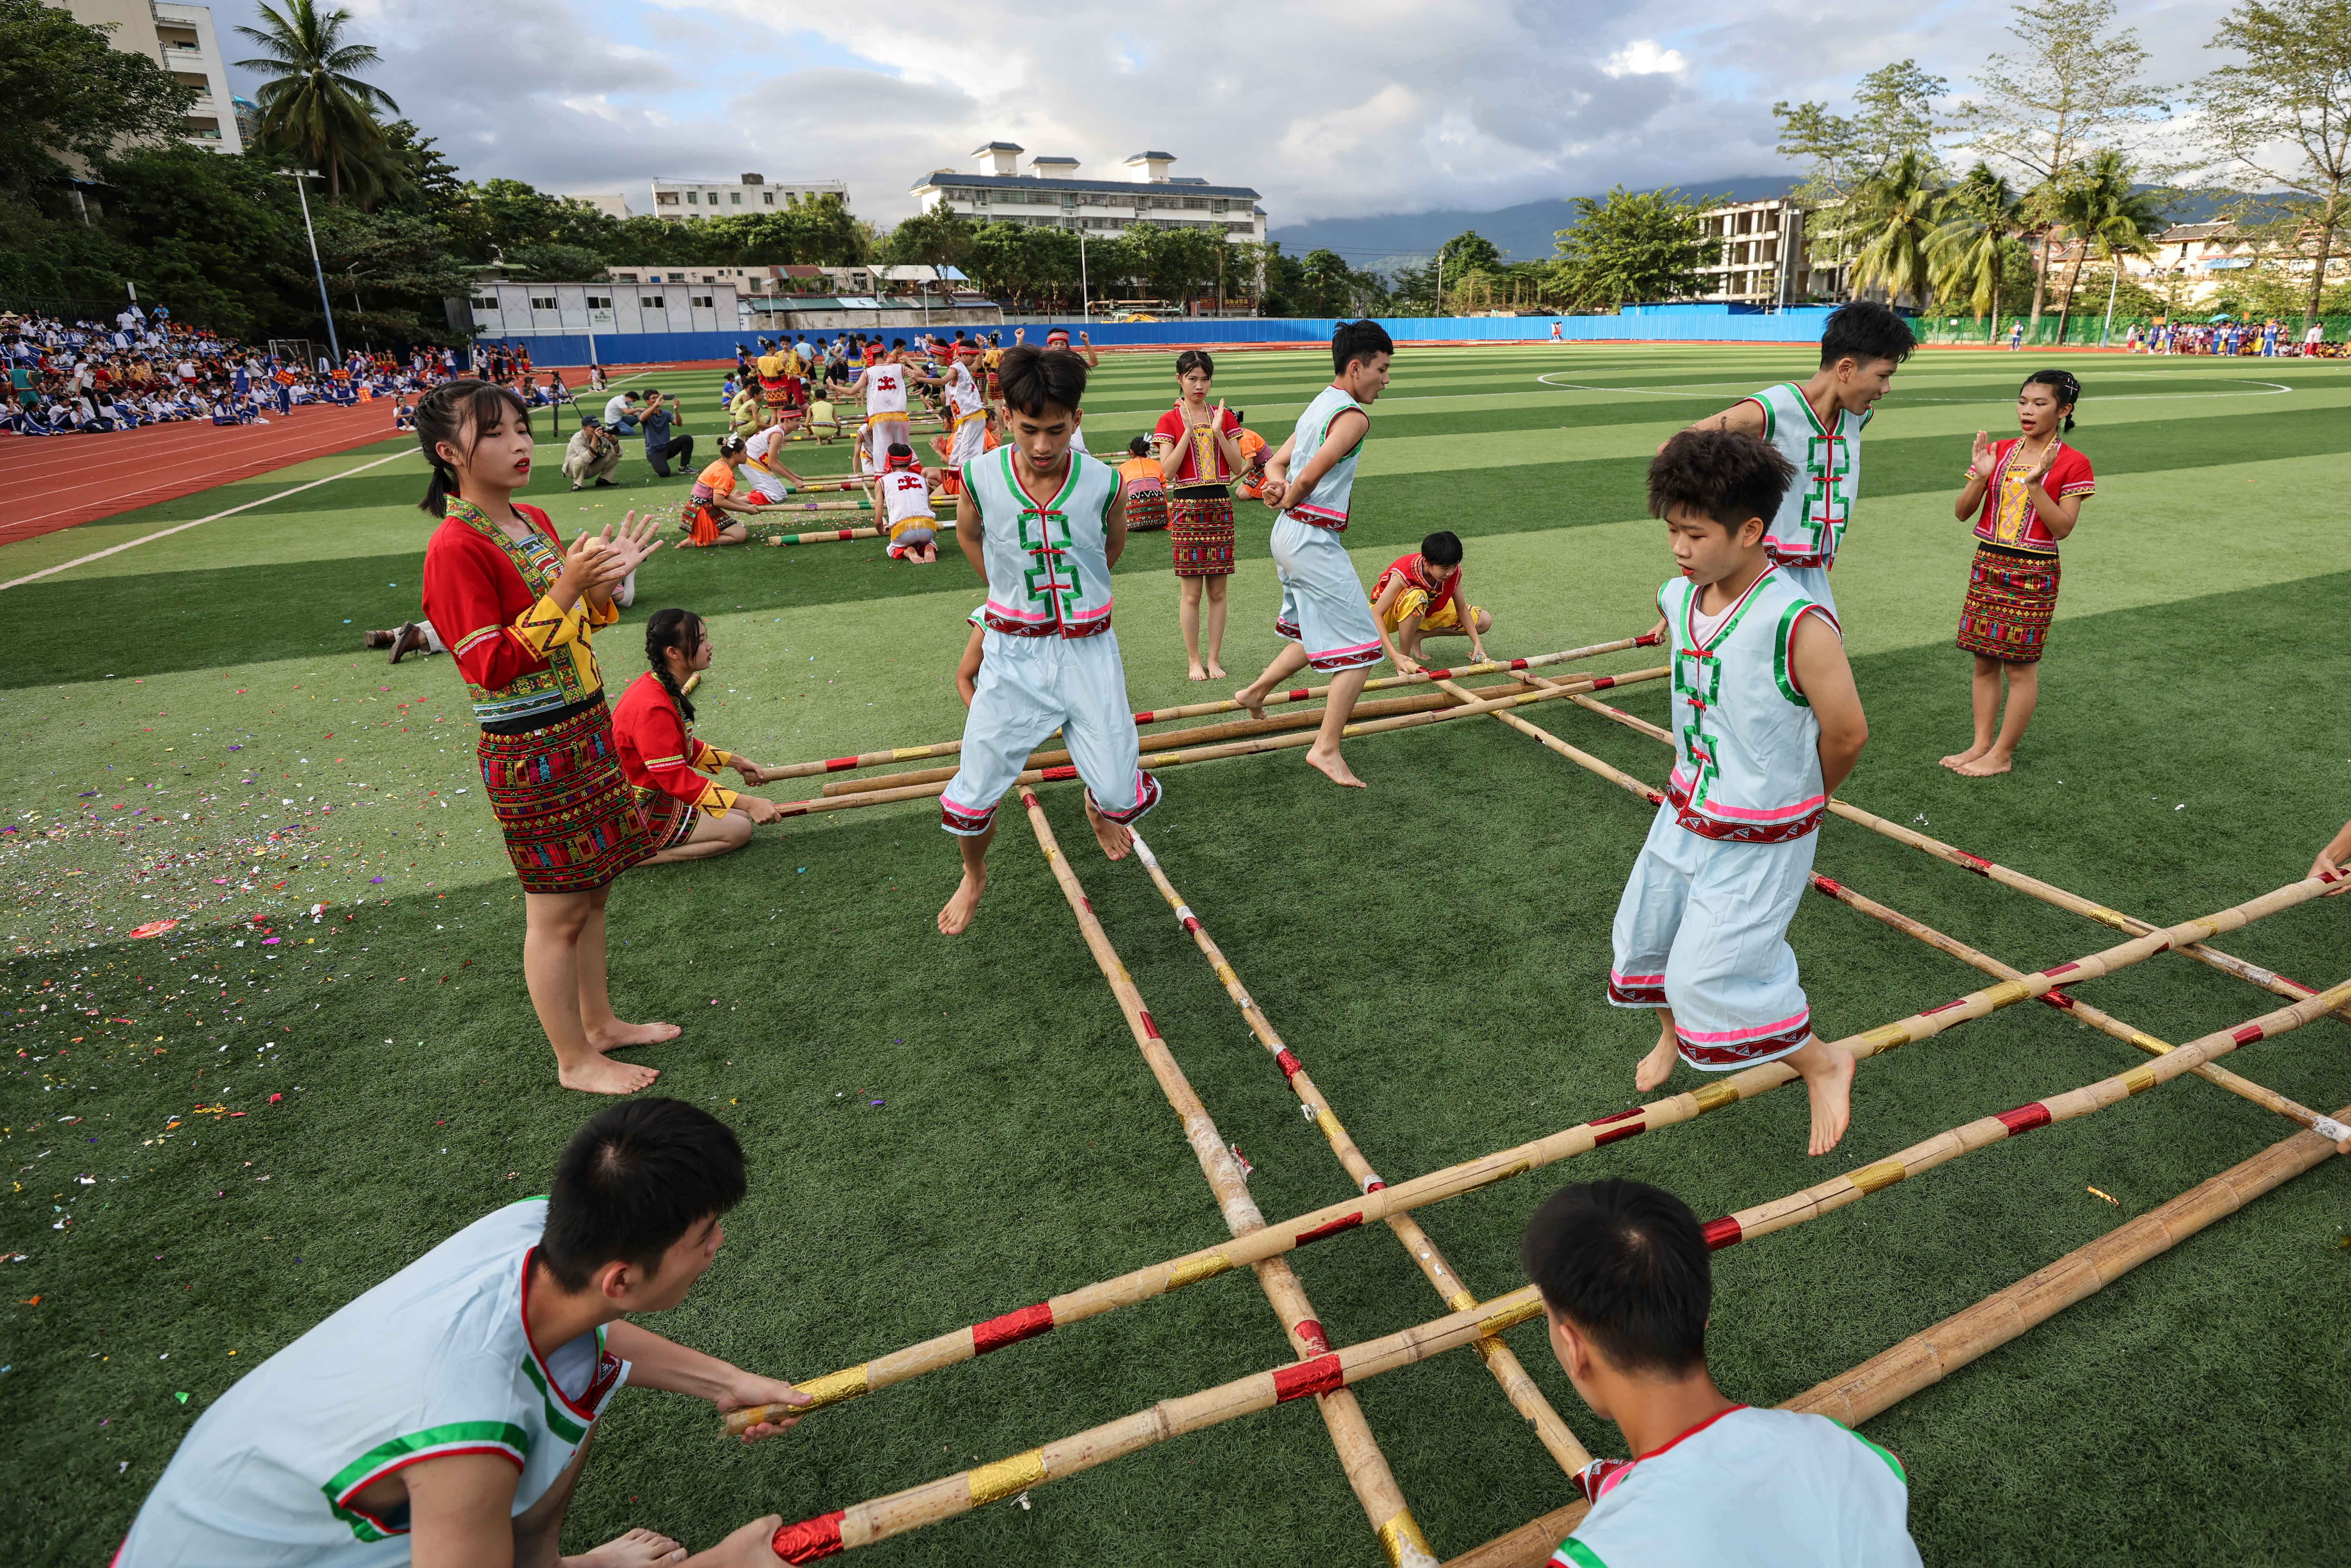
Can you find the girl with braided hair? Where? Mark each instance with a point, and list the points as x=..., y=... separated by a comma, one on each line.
x=687, y=815
x=2026, y=494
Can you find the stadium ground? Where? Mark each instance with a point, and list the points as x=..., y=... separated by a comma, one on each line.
x=245, y=1132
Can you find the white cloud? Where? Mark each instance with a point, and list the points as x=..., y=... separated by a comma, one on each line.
x=1642, y=58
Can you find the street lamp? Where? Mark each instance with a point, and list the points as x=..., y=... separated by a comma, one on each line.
x=298, y=176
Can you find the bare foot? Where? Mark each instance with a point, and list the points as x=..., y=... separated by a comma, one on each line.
x=1116, y=838
x=957, y=916
x=1657, y=1066
x=622, y=1036
x=1248, y=699
x=1216, y=670
x=1958, y=759
x=1827, y=1074
x=638, y=1549
x=748, y=1547
x=1197, y=674
x=1984, y=767
x=602, y=1075
x=1333, y=767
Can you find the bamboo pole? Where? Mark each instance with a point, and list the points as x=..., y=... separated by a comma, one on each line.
x=823, y=539
x=1359, y=1453
x=1551, y=1428
x=1471, y=1176
x=2268, y=979
x=2096, y=1017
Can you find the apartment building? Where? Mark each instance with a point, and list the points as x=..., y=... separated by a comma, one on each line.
x=679, y=200
x=181, y=40
x=1761, y=253
x=1052, y=195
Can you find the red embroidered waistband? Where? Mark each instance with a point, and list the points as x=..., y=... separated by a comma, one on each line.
x=1020, y=628
x=1706, y=827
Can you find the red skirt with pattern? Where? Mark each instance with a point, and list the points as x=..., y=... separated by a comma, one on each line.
x=1146, y=511
x=2011, y=601
x=1201, y=533
x=568, y=813
x=668, y=821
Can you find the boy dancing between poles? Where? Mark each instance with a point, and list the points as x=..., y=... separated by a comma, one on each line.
x=1766, y=725
x=1324, y=613
x=1043, y=524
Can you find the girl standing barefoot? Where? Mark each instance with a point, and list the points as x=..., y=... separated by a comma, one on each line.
x=1199, y=455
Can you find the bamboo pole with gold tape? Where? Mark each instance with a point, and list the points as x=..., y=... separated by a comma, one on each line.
x=2094, y=1018
x=1550, y=1427
x=865, y=1523
x=1472, y=1175
x=1926, y=1358
x=2048, y=893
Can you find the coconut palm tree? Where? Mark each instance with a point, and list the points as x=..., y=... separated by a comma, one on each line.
x=1970, y=246
x=1893, y=218
x=315, y=105
x=2102, y=211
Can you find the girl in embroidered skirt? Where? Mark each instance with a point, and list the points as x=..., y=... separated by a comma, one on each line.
x=687, y=817
x=2025, y=495
x=1145, y=488
x=521, y=610
x=1198, y=458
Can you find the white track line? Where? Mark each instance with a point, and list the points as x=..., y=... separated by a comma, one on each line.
x=183, y=528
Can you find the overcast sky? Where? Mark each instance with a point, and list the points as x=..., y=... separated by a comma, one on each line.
x=1329, y=108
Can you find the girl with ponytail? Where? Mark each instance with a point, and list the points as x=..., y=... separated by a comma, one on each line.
x=518, y=610
x=2026, y=494
x=687, y=815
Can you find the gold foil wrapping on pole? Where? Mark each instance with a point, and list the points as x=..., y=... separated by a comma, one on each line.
x=991, y=1483
x=1510, y=1317
x=1461, y=1302
x=1714, y=1096
x=832, y=1388
x=1192, y=1270
x=1884, y=1174
x=2139, y=1079
x=1406, y=1547
x=1885, y=1037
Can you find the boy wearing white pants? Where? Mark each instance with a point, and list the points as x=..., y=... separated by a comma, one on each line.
x=1043, y=524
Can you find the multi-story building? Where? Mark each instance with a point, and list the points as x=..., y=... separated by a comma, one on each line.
x=530, y=310
x=1763, y=254
x=1050, y=195
x=683, y=199
x=612, y=204
x=181, y=40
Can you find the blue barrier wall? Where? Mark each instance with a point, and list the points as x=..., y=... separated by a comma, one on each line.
x=1668, y=323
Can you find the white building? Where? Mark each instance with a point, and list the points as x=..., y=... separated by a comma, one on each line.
x=529, y=310
x=612, y=204
x=1050, y=195
x=683, y=199
x=181, y=40
x=1760, y=254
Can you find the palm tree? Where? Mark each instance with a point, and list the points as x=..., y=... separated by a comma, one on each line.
x=1970, y=246
x=1893, y=217
x=2103, y=210
x=314, y=105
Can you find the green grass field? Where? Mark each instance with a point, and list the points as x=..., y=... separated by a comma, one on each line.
x=217, y=1137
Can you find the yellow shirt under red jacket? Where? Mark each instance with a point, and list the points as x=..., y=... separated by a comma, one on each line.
x=657, y=752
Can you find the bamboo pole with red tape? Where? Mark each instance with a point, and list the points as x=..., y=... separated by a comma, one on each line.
x=1550, y=1427
x=1475, y=1175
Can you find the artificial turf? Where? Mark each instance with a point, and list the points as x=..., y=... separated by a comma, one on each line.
x=274, y=1109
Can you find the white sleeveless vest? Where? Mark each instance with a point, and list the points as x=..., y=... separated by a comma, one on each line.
x=1326, y=506
x=1810, y=522
x=1747, y=764
x=1047, y=557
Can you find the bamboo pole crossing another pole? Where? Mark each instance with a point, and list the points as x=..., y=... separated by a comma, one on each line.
x=1550, y=1427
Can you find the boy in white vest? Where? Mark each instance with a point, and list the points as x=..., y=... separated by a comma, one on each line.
x=442, y=1417
x=1325, y=614
x=1043, y=524
x=1816, y=425
x=1626, y=1283
x=1766, y=724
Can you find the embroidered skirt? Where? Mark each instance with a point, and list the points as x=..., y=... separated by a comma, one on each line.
x=2011, y=601
x=1201, y=533
x=667, y=821
x=1146, y=511
x=568, y=813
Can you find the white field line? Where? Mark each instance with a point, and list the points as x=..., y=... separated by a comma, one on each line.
x=1684, y=389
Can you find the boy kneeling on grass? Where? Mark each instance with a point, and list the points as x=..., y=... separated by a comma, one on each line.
x=1626, y=1283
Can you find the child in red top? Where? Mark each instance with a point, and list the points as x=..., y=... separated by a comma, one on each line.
x=687, y=815
x=1420, y=596
x=2025, y=495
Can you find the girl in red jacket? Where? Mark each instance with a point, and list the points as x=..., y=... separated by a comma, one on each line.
x=687, y=815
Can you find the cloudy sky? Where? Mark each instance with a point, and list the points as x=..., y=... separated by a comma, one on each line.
x=1330, y=107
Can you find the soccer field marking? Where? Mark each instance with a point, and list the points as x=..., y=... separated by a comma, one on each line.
x=197, y=522
x=1686, y=388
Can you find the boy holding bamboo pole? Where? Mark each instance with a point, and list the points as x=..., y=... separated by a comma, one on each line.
x=1626, y=1283
x=1766, y=725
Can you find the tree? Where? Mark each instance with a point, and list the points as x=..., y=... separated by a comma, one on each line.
x=315, y=105
x=2073, y=84
x=1892, y=220
x=2103, y=210
x=1629, y=246
x=69, y=97
x=1972, y=247
x=1896, y=115
x=2289, y=94
x=934, y=237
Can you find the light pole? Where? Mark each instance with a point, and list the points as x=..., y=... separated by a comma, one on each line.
x=298, y=176
x=1085, y=304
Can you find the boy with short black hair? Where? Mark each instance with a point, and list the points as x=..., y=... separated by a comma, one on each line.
x=452, y=1402
x=1419, y=595
x=1324, y=614
x=902, y=505
x=1043, y=524
x=1766, y=725
x=1816, y=425
x=1626, y=1284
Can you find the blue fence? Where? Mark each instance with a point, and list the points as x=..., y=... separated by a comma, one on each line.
x=1670, y=323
